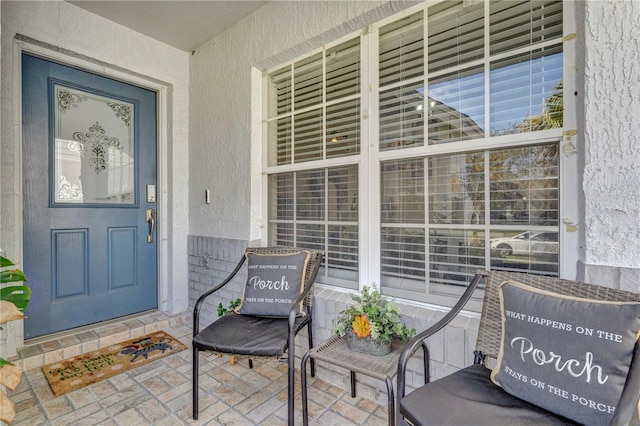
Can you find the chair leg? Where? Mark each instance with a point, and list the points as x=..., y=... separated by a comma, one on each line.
x=292, y=380
x=425, y=360
x=194, y=383
x=313, y=361
x=390, y=402
x=353, y=384
x=303, y=378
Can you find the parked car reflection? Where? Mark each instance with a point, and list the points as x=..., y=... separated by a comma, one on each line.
x=526, y=243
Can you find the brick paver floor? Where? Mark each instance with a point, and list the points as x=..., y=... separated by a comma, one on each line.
x=159, y=393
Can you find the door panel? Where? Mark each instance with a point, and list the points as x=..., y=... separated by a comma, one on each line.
x=89, y=150
x=122, y=258
x=70, y=263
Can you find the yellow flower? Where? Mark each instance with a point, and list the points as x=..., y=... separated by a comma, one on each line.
x=361, y=326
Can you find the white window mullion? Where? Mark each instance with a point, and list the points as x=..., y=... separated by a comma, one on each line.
x=325, y=220
x=570, y=143
x=370, y=166
x=291, y=120
x=294, y=218
x=427, y=227
x=487, y=72
x=267, y=148
x=324, y=104
x=425, y=114
x=487, y=210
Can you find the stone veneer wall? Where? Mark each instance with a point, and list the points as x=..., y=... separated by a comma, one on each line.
x=211, y=260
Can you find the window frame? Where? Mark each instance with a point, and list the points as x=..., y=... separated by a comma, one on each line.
x=370, y=157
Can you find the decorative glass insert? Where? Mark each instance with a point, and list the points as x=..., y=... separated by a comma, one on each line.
x=94, y=149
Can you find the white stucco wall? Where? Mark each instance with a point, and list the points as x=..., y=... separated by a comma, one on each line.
x=611, y=125
x=107, y=48
x=225, y=149
x=226, y=136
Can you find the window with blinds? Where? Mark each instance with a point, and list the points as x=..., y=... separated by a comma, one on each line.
x=314, y=116
x=445, y=216
x=314, y=107
x=474, y=208
x=464, y=117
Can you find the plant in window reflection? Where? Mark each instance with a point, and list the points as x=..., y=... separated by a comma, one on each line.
x=372, y=315
x=551, y=116
x=13, y=302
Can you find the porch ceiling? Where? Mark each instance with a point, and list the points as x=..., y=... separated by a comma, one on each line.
x=183, y=24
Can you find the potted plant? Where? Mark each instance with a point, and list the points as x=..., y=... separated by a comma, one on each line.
x=370, y=323
x=13, y=302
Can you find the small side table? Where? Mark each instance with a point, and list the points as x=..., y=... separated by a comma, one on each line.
x=335, y=351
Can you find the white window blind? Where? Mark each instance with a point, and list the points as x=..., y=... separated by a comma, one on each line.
x=401, y=46
x=314, y=107
x=514, y=24
x=401, y=117
x=318, y=209
x=456, y=35
x=463, y=91
x=522, y=198
x=520, y=86
x=456, y=106
x=314, y=115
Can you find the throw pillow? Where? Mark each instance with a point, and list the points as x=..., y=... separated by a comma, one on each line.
x=568, y=355
x=273, y=284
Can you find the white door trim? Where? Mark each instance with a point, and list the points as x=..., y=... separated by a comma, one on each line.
x=163, y=120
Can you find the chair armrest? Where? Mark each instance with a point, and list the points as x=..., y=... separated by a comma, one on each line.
x=412, y=345
x=627, y=411
x=305, y=292
x=196, y=309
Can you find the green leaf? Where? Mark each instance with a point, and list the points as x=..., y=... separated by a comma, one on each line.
x=221, y=309
x=12, y=275
x=4, y=362
x=19, y=295
x=232, y=305
x=5, y=262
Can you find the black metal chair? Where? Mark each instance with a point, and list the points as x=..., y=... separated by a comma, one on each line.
x=468, y=396
x=257, y=336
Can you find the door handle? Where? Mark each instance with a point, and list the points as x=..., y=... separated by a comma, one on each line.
x=151, y=219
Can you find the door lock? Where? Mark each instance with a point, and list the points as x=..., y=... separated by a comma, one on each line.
x=151, y=220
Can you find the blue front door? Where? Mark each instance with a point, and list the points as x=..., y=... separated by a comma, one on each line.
x=89, y=174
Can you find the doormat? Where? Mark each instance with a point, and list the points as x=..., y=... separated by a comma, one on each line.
x=82, y=370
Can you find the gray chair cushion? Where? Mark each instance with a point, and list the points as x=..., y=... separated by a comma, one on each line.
x=247, y=335
x=468, y=397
